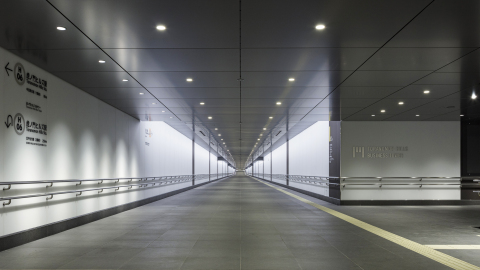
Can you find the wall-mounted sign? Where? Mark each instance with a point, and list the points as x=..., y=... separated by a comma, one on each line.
x=379, y=151
x=28, y=119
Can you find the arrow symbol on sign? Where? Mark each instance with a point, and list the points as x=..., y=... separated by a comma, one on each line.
x=7, y=69
x=9, y=121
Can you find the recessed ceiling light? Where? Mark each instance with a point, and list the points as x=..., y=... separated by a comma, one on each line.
x=382, y=111
x=279, y=103
x=163, y=111
x=400, y=103
x=291, y=79
x=271, y=117
x=320, y=26
x=202, y=103
x=161, y=27
x=101, y=61
x=154, y=103
x=170, y=117
x=222, y=139
x=417, y=115
x=373, y=114
x=261, y=134
x=61, y=28
x=210, y=117
x=461, y=114
x=140, y=93
x=216, y=128
x=219, y=134
x=474, y=96
x=264, y=128
x=189, y=80
x=258, y=139
x=426, y=92
x=223, y=143
x=125, y=80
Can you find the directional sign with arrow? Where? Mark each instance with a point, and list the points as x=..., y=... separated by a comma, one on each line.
x=7, y=69
x=9, y=121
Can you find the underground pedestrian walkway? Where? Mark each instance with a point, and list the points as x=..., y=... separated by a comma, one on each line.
x=241, y=223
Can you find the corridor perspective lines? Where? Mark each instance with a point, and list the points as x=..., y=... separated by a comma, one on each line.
x=236, y=223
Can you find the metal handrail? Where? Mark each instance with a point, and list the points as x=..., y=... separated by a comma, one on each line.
x=318, y=180
x=420, y=181
x=162, y=181
x=311, y=180
x=51, y=182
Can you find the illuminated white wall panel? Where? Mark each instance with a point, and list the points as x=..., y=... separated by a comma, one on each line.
x=309, y=155
x=309, y=151
x=213, y=166
x=279, y=156
x=107, y=141
x=266, y=162
x=167, y=151
x=400, y=149
x=201, y=160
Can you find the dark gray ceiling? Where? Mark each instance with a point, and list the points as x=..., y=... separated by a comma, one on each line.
x=371, y=55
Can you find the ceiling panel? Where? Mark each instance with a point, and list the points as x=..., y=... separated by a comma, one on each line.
x=64, y=60
x=31, y=25
x=305, y=78
x=462, y=79
x=292, y=23
x=364, y=92
x=435, y=91
x=307, y=59
x=132, y=24
x=179, y=79
x=384, y=78
x=413, y=58
x=468, y=63
x=443, y=24
x=197, y=60
x=98, y=79
x=118, y=93
x=391, y=106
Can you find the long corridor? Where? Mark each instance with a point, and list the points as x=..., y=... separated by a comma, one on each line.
x=236, y=223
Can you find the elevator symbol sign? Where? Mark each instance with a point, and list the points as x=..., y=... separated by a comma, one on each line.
x=359, y=150
x=19, y=74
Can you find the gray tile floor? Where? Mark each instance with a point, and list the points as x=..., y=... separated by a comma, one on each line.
x=239, y=223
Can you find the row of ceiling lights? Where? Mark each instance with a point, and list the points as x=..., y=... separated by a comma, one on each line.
x=163, y=28
x=425, y=92
x=261, y=134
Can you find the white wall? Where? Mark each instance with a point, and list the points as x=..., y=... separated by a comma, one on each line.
x=201, y=162
x=167, y=151
x=433, y=149
x=279, y=156
x=309, y=151
x=420, y=149
x=85, y=139
x=309, y=156
x=266, y=162
x=213, y=166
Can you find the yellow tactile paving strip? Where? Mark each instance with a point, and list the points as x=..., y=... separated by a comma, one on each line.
x=416, y=247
